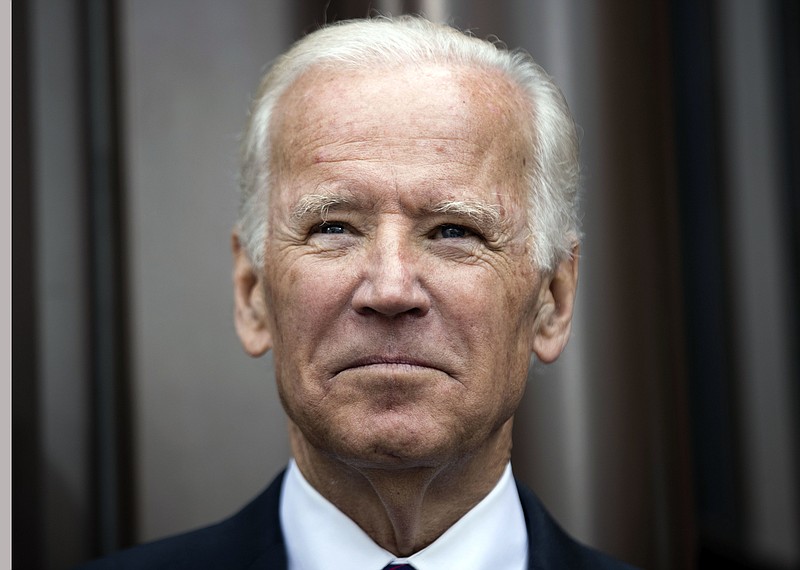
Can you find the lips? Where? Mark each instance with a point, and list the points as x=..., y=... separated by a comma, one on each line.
x=400, y=362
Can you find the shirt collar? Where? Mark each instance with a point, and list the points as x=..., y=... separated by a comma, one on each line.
x=318, y=535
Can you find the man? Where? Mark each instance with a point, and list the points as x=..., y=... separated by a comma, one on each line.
x=408, y=239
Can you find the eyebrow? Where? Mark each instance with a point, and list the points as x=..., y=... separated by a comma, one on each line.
x=318, y=205
x=485, y=216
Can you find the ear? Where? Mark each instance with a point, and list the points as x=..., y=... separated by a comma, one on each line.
x=250, y=310
x=554, y=319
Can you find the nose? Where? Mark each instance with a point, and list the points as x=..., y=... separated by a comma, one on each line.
x=390, y=284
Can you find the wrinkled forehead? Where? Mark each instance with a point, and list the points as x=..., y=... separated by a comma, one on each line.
x=446, y=102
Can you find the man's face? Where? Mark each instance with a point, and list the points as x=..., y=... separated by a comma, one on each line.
x=399, y=295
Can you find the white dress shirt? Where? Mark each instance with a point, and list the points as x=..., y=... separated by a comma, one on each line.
x=491, y=536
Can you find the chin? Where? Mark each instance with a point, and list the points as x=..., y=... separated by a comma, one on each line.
x=393, y=441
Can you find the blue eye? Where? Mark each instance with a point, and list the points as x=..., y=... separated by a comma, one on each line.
x=449, y=231
x=330, y=228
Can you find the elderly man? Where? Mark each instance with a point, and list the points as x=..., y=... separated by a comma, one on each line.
x=408, y=239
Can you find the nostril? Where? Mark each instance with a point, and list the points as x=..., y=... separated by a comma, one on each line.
x=415, y=312
x=391, y=313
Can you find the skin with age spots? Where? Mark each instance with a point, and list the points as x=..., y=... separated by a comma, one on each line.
x=398, y=292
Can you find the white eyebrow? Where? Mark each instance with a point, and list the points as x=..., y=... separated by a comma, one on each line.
x=313, y=205
x=484, y=215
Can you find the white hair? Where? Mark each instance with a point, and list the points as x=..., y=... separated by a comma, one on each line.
x=553, y=175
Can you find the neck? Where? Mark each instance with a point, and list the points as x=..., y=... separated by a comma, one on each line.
x=404, y=509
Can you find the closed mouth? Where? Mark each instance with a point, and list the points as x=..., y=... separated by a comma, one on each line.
x=390, y=362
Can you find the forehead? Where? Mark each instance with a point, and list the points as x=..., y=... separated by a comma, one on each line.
x=459, y=87
x=447, y=119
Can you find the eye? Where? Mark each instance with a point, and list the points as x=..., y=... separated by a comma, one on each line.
x=330, y=228
x=449, y=231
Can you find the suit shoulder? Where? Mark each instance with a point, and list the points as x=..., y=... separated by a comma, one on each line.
x=248, y=539
x=551, y=547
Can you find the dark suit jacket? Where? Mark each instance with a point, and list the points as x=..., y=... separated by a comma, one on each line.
x=252, y=540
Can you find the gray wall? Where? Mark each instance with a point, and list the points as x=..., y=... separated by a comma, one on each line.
x=210, y=431
x=59, y=177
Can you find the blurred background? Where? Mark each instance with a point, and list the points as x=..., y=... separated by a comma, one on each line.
x=668, y=432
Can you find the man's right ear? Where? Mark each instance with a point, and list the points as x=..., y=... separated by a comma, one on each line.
x=250, y=310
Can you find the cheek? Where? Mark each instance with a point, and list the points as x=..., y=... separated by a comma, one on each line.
x=496, y=306
x=306, y=299
x=493, y=313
